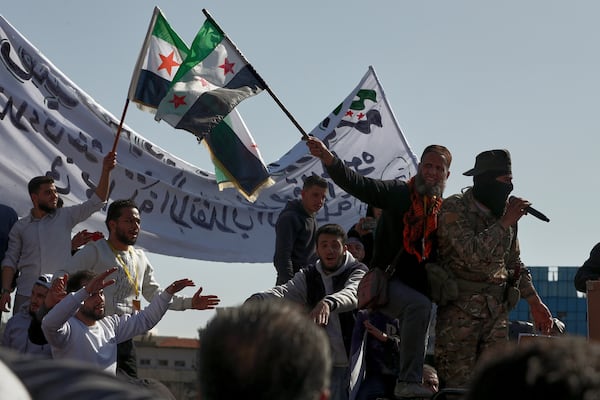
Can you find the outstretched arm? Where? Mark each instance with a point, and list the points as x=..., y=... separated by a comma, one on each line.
x=179, y=285
x=130, y=325
x=320, y=313
x=108, y=164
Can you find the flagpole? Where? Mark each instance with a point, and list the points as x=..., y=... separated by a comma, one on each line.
x=114, y=148
x=262, y=81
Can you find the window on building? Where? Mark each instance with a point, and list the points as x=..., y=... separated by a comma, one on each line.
x=145, y=362
x=179, y=363
x=163, y=363
x=552, y=274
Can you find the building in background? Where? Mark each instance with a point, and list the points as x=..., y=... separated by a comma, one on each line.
x=171, y=360
x=555, y=287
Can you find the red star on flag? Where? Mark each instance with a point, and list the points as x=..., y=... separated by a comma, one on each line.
x=178, y=101
x=203, y=82
x=360, y=115
x=227, y=67
x=168, y=62
x=349, y=113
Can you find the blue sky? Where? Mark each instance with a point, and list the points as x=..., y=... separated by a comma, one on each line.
x=471, y=75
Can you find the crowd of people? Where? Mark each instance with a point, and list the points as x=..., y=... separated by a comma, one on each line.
x=79, y=298
x=456, y=263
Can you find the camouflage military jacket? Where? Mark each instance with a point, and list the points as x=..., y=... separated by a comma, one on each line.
x=475, y=247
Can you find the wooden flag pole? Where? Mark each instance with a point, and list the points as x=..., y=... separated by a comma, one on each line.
x=262, y=81
x=114, y=148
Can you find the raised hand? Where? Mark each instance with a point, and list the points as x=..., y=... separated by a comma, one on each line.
x=179, y=285
x=318, y=149
x=200, y=302
x=98, y=283
x=57, y=291
x=84, y=237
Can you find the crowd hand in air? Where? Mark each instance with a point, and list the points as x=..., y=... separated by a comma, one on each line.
x=208, y=302
x=57, y=291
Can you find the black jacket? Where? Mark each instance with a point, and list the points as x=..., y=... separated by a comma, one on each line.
x=589, y=271
x=393, y=197
x=295, y=235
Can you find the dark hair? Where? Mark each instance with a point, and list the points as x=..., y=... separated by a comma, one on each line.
x=263, y=350
x=77, y=280
x=440, y=150
x=34, y=184
x=314, y=180
x=542, y=368
x=332, y=229
x=114, y=209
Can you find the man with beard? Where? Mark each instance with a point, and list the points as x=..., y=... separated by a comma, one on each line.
x=78, y=327
x=478, y=245
x=134, y=275
x=328, y=289
x=405, y=236
x=15, y=333
x=40, y=243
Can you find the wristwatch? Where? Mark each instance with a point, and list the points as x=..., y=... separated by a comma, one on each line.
x=4, y=290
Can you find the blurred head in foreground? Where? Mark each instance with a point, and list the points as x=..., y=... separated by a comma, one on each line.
x=263, y=350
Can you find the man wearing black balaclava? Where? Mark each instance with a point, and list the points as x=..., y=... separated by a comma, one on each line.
x=491, y=192
x=478, y=246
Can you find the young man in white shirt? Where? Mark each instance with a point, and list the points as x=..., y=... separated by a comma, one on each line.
x=77, y=327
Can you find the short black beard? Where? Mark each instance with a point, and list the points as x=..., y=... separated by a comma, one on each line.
x=424, y=189
x=89, y=313
x=124, y=239
x=46, y=209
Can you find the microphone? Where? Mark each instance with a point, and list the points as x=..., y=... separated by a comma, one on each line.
x=539, y=215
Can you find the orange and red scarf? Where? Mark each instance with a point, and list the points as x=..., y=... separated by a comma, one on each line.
x=420, y=223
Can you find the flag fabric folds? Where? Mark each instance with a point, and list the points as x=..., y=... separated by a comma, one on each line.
x=234, y=152
x=213, y=79
x=162, y=53
x=238, y=162
x=210, y=83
